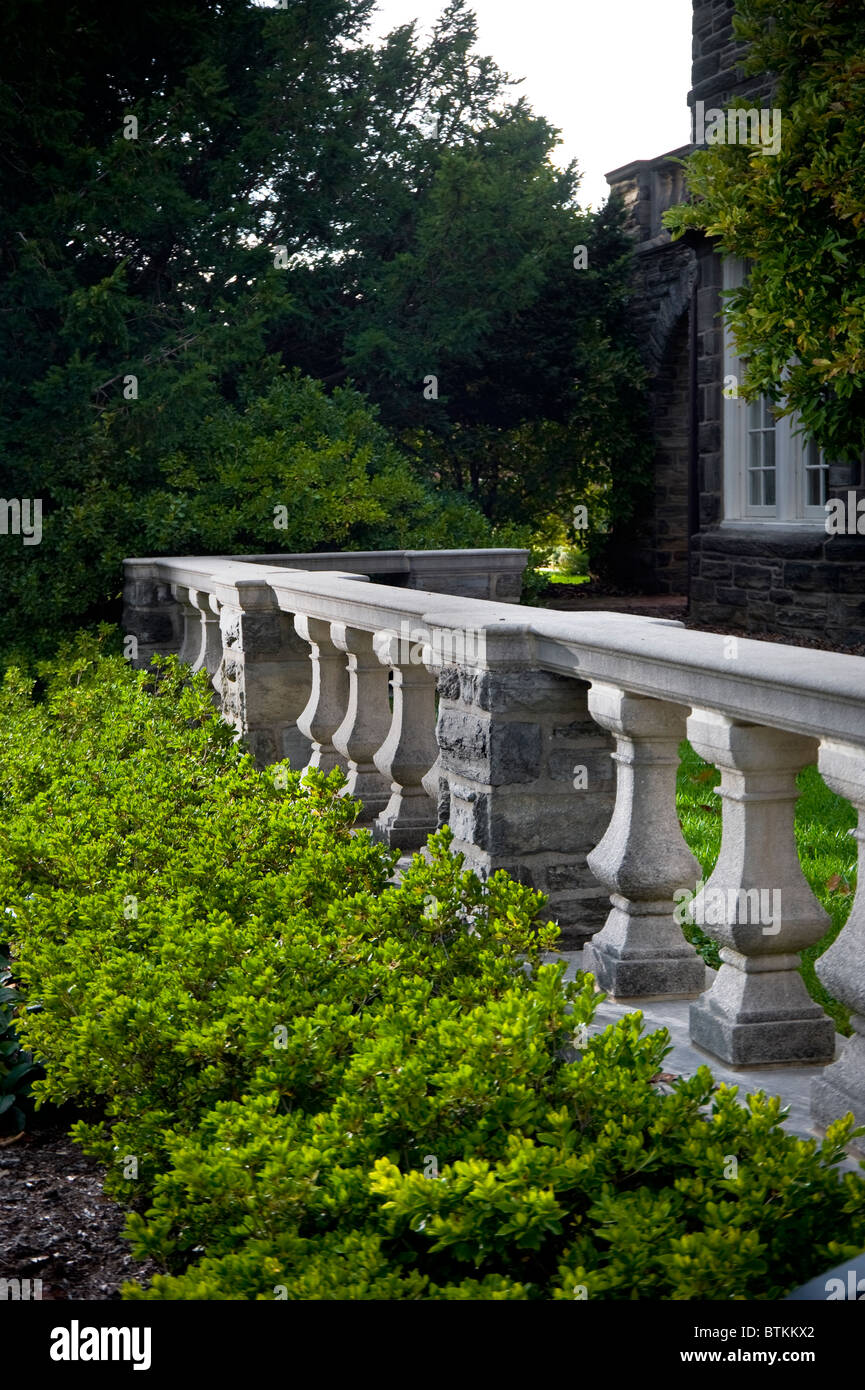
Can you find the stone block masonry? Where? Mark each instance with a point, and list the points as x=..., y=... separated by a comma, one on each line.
x=511, y=742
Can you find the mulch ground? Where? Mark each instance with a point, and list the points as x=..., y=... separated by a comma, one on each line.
x=55, y=1222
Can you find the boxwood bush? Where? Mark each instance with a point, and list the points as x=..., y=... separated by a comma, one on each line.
x=309, y=1082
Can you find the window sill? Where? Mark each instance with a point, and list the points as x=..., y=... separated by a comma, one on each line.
x=754, y=523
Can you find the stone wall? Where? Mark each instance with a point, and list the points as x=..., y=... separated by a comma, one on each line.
x=794, y=581
x=708, y=387
x=791, y=582
x=716, y=58
x=762, y=578
x=664, y=280
x=665, y=556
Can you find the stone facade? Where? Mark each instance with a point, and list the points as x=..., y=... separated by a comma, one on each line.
x=791, y=580
x=665, y=279
x=786, y=582
x=716, y=58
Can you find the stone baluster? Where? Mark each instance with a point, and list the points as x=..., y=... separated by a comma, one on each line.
x=190, y=625
x=328, y=699
x=211, y=646
x=201, y=646
x=757, y=903
x=265, y=677
x=841, y=1087
x=367, y=720
x=643, y=858
x=435, y=782
x=409, y=751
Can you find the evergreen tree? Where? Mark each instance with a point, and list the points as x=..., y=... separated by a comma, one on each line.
x=195, y=196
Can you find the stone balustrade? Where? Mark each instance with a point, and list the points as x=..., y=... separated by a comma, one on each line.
x=552, y=754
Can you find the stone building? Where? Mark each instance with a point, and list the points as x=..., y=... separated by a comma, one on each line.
x=739, y=520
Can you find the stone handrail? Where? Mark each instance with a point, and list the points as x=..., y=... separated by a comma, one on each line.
x=330, y=669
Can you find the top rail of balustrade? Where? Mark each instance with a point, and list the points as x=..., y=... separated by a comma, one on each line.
x=489, y=573
x=815, y=693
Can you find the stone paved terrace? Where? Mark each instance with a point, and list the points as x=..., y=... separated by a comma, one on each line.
x=791, y=1082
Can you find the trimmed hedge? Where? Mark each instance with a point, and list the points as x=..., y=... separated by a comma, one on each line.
x=317, y=1084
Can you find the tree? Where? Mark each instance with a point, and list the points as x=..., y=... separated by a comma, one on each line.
x=199, y=194
x=798, y=217
x=461, y=286
x=497, y=343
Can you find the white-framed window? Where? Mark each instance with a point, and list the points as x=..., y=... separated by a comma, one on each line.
x=772, y=474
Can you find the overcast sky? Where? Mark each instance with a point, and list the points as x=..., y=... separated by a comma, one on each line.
x=612, y=75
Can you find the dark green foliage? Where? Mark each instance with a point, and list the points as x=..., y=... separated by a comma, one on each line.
x=536, y=369
x=799, y=216
x=280, y=208
x=294, y=469
x=285, y=1044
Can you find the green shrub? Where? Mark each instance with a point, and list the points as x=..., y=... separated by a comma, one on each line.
x=324, y=460
x=569, y=559
x=321, y=1085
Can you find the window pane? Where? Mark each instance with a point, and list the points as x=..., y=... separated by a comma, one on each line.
x=754, y=495
x=769, y=449
x=769, y=488
x=755, y=453
x=815, y=479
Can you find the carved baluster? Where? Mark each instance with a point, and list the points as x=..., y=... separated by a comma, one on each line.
x=201, y=647
x=367, y=720
x=410, y=750
x=435, y=782
x=757, y=902
x=211, y=647
x=191, y=638
x=643, y=858
x=841, y=1087
x=328, y=698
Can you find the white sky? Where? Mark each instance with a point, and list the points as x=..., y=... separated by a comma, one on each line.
x=612, y=75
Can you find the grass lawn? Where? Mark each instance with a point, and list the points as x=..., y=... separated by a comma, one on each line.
x=827, y=853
